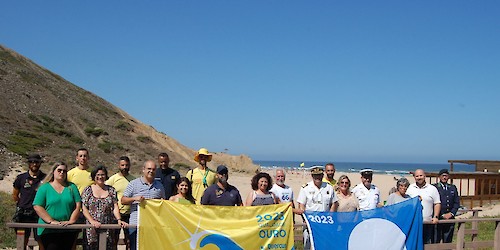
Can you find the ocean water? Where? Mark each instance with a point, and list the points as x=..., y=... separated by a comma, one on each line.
x=378, y=167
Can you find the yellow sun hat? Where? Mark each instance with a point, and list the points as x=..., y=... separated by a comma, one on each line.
x=202, y=151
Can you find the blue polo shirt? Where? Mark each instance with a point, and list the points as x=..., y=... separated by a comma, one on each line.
x=214, y=195
x=139, y=187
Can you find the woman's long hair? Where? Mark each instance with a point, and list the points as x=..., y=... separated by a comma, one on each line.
x=189, y=193
x=50, y=176
x=342, y=177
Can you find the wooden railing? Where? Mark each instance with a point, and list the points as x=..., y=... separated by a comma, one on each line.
x=461, y=232
x=32, y=242
x=459, y=244
x=474, y=189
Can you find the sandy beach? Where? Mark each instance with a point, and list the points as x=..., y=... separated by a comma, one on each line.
x=296, y=179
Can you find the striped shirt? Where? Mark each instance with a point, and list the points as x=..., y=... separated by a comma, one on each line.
x=139, y=187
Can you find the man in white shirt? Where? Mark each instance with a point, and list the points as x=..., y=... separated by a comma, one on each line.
x=316, y=196
x=280, y=190
x=431, y=203
x=367, y=193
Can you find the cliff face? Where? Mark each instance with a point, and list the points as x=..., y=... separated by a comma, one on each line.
x=43, y=113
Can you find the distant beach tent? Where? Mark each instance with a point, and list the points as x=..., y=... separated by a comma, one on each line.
x=302, y=165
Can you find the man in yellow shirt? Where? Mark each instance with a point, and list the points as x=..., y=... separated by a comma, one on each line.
x=201, y=177
x=80, y=175
x=329, y=173
x=120, y=181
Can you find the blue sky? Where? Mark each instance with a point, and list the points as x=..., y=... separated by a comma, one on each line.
x=365, y=81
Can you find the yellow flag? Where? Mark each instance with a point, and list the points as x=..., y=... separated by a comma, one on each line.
x=169, y=225
x=302, y=165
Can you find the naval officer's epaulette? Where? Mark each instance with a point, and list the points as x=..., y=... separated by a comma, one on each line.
x=305, y=185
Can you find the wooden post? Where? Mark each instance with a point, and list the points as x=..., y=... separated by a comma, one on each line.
x=496, y=239
x=20, y=239
x=475, y=225
x=102, y=239
x=461, y=235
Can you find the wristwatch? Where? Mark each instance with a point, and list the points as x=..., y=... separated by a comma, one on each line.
x=436, y=217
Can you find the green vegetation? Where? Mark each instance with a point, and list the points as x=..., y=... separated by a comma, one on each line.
x=181, y=167
x=94, y=104
x=123, y=125
x=76, y=139
x=486, y=231
x=144, y=139
x=7, y=235
x=23, y=142
x=65, y=146
x=95, y=131
x=48, y=125
x=27, y=77
x=6, y=56
x=54, y=75
x=109, y=146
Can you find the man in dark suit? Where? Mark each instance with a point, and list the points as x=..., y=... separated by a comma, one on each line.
x=450, y=202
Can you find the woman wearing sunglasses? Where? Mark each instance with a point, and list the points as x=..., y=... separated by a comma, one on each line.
x=347, y=200
x=57, y=202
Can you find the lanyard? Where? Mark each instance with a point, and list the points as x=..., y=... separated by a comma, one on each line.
x=204, y=180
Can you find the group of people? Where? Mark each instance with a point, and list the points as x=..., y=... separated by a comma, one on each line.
x=84, y=195
x=440, y=201
x=64, y=197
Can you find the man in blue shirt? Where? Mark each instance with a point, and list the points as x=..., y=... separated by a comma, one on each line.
x=222, y=193
x=450, y=202
x=142, y=188
x=166, y=175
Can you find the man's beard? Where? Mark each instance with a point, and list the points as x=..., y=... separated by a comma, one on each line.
x=124, y=171
x=280, y=182
x=223, y=180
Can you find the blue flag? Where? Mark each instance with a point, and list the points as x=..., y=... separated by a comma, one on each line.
x=397, y=226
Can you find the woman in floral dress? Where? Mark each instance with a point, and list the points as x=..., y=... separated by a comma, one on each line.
x=100, y=206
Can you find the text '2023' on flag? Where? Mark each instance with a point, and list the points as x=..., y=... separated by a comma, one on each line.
x=397, y=226
x=170, y=225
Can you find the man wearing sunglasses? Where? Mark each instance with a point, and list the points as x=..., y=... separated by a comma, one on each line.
x=23, y=193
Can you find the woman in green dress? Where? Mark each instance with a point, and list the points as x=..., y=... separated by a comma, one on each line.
x=57, y=202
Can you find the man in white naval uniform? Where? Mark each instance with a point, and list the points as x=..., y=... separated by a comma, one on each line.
x=316, y=196
x=367, y=193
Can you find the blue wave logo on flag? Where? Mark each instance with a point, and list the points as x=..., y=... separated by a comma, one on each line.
x=398, y=226
x=221, y=241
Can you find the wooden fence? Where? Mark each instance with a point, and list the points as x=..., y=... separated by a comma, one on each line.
x=32, y=242
x=459, y=244
x=474, y=189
